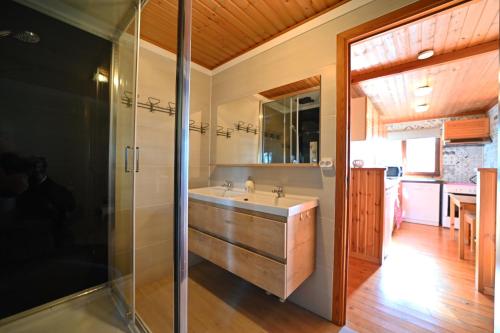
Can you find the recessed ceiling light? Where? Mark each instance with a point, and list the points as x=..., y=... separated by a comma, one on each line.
x=423, y=91
x=422, y=108
x=425, y=54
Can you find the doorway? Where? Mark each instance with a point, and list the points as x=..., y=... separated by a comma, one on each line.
x=346, y=126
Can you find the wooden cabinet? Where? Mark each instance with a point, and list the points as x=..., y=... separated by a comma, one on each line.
x=365, y=120
x=371, y=213
x=486, y=230
x=264, y=235
x=467, y=130
x=371, y=220
x=275, y=253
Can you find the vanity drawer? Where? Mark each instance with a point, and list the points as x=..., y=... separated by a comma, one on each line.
x=257, y=233
x=263, y=272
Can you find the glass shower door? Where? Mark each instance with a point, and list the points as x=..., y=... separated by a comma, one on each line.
x=123, y=167
x=67, y=69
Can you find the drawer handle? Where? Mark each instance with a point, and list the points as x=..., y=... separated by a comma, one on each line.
x=301, y=216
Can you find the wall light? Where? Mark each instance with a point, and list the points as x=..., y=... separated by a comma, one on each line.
x=422, y=108
x=423, y=91
x=101, y=75
x=425, y=54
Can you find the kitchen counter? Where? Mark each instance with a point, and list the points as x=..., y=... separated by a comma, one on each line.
x=421, y=180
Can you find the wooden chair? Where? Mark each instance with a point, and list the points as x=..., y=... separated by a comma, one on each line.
x=470, y=232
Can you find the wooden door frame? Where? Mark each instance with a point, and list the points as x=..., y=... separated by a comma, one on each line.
x=404, y=15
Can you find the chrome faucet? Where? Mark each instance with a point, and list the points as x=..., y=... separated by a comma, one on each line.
x=228, y=185
x=279, y=191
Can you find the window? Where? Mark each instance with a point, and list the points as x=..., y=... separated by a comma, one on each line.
x=422, y=157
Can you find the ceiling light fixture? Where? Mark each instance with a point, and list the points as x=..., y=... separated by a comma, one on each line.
x=423, y=91
x=422, y=108
x=426, y=54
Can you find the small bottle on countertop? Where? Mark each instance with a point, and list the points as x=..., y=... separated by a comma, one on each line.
x=249, y=185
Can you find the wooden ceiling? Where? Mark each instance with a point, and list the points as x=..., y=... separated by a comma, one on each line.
x=293, y=88
x=225, y=29
x=463, y=73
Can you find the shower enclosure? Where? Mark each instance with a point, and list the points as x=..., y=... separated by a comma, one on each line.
x=77, y=218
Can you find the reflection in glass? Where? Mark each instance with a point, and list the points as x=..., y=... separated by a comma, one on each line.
x=57, y=213
x=290, y=129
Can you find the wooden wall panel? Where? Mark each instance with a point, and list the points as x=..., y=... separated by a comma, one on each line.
x=367, y=213
x=486, y=230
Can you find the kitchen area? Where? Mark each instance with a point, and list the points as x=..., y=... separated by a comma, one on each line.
x=423, y=165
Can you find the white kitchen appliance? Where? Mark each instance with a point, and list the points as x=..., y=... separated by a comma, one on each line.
x=454, y=188
x=421, y=202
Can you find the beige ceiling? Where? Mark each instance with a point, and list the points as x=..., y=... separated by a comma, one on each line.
x=463, y=72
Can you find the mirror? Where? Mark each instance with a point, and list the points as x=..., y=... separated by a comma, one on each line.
x=276, y=126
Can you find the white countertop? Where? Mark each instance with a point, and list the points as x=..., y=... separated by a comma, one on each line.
x=260, y=201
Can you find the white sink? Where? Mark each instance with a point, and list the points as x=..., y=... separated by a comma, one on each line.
x=218, y=191
x=265, y=202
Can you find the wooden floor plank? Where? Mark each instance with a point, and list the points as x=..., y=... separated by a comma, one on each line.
x=221, y=302
x=422, y=286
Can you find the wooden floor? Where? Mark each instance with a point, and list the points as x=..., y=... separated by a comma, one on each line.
x=421, y=287
x=221, y=302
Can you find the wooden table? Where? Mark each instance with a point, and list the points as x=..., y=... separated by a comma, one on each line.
x=464, y=203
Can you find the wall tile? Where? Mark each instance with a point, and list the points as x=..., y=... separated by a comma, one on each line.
x=315, y=293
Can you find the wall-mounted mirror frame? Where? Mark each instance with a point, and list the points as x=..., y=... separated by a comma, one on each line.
x=279, y=127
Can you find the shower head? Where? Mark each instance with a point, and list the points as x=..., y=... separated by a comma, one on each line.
x=27, y=37
x=5, y=33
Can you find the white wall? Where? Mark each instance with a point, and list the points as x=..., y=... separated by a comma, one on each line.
x=311, y=53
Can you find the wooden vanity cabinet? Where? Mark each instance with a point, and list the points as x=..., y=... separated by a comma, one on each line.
x=275, y=253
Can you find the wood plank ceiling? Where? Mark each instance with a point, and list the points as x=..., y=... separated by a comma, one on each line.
x=463, y=72
x=225, y=29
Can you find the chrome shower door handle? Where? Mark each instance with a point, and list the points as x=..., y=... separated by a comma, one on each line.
x=137, y=157
x=126, y=158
